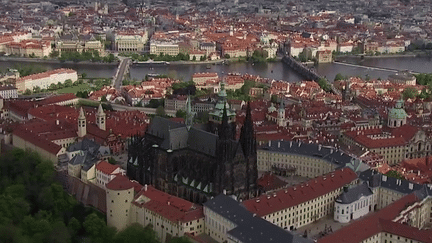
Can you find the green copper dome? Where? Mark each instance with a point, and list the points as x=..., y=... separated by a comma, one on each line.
x=397, y=112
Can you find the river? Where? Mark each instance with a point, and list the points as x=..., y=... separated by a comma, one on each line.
x=274, y=70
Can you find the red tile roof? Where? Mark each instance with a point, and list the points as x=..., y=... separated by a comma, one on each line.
x=289, y=197
x=106, y=167
x=121, y=182
x=398, y=136
x=170, y=207
x=380, y=221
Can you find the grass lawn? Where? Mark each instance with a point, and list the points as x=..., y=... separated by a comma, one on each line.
x=75, y=89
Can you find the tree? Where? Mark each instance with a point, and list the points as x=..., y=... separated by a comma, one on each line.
x=182, y=239
x=112, y=161
x=103, y=98
x=395, y=174
x=27, y=92
x=36, y=89
x=194, y=58
x=59, y=85
x=409, y=93
x=94, y=226
x=339, y=76
x=52, y=87
x=181, y=113
x=83, y=75
x=160, y=111
x=54, y=54
x=227, y=56
x=68, y=83
x=74, y=226
x=135, y=233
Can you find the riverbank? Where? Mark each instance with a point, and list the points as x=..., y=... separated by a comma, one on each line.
x=53, y=61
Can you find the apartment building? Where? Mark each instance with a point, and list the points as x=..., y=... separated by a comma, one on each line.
x=8, y=92
x=166, y=48
x=300, y=205
x=308, y=160
x=28, y=48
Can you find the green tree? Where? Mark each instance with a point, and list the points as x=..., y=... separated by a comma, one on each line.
x=339, y=76
x=180, y=240
x=83, y=75
x=94, y=226
x=74, y=226
x=409, y=93
x=68, y=83
x=227, y=56
x=112, y=161
x=395, y=174
x=194, y=58
x=181, y=113
x=36, y=89
x=54, y=54
x=135, y=233
x=103, y=98
x=160, y=111
x=27, y=92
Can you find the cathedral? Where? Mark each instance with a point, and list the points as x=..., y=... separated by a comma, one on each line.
x=197, y=164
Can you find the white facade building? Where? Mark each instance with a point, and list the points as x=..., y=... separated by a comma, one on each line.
x=105, y=172
x=8, y=92
x=354, y=203
x=45, y=79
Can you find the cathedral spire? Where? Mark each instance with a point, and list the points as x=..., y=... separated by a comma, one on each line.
x=189, y=113
x=247, y=136
x=225, y=128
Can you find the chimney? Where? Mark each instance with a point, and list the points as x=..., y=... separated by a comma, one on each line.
x=145, y=187
x=224, y=191
x=269, y=143
x=57, y=122
x=279, y=144
x=169, y=203
x=410, y=186
x=384, y=178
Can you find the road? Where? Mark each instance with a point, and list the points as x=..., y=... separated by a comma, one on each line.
x=120, y=73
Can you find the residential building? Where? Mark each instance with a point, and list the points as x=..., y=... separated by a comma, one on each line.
x=165, y=48
x=227, y=220
x=29, y=48
x=105, y=172
x=45, y=79
x=396, y=141
x=8, y=92
x=201, y=78
x=308, y=160
x=302, y=204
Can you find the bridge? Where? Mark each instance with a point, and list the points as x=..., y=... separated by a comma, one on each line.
x=371, y=68
x=307, y=72
x=122, y=69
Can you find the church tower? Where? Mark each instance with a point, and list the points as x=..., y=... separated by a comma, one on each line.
x=189, y=114
x=397, y=116
x=281, y=115
x=82, y=124
x=101, y=118
x=224, y=174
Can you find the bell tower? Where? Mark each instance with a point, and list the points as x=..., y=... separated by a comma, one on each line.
x=82, y=124
x=101, y=118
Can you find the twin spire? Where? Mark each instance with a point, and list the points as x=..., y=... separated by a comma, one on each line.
x=82, y=121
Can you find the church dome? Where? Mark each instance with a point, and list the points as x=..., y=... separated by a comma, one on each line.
x=397, y=112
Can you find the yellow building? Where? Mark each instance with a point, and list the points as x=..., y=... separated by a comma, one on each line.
x=307, y=160
x=166, y=48
x=130, y=41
